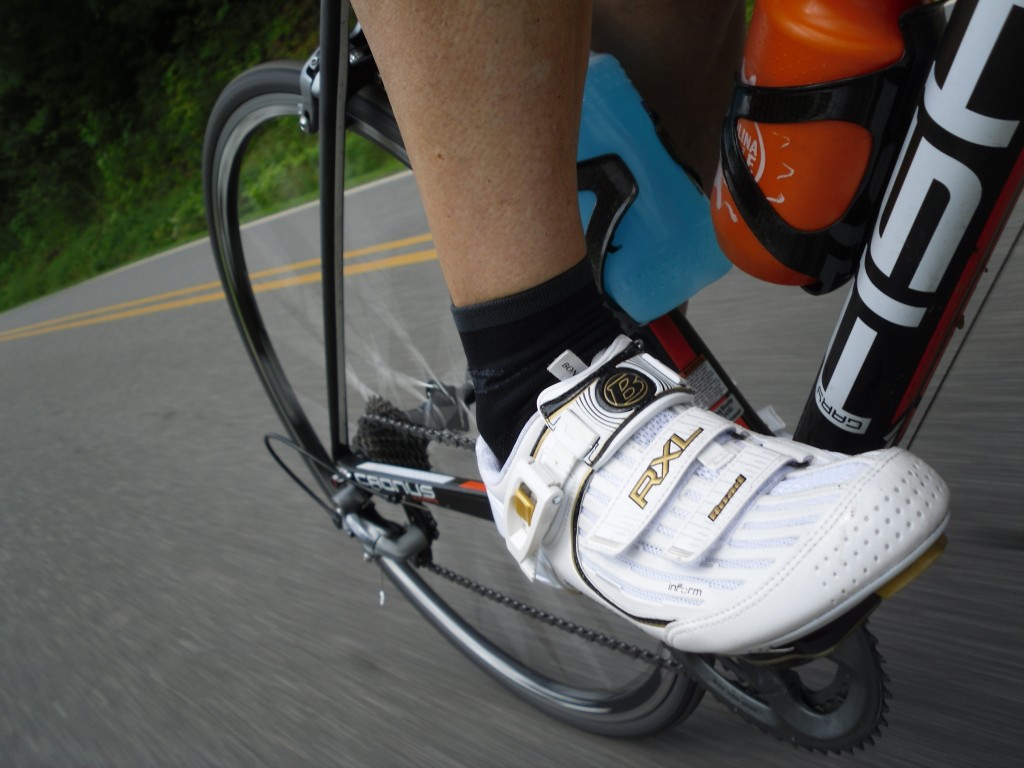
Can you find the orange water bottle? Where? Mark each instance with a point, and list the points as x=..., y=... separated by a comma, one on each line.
x=809, y=172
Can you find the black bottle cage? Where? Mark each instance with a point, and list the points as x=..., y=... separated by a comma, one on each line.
x=611, y=181
x=877, y=102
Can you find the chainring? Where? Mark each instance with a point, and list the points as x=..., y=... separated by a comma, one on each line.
x=834, y=703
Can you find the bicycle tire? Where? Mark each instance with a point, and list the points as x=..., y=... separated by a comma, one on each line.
x=263, y=93
x=644, y=702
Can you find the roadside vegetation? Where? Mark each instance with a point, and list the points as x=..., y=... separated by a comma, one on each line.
x=103, y=106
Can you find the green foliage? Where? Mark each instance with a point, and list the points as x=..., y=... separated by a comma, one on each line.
x=365, y=162
x=103, y=105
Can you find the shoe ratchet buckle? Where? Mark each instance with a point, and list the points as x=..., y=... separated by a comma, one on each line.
x=533, y=502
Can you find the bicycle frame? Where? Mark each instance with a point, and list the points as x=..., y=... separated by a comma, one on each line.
x=333, y=69
x=957, y=178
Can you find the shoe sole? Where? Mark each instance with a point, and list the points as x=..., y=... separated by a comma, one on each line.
x=839, y=628
x=914, y=570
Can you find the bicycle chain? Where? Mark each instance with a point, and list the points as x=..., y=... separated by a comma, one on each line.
x=458, y=440
x=591, y=635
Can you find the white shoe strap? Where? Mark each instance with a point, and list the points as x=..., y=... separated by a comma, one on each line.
x=664, y=465
x=738, y=484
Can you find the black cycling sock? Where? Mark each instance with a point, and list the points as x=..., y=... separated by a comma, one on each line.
x=510, y=342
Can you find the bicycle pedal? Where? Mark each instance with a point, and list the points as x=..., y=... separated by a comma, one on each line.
x=822, y=642
x=914, y=570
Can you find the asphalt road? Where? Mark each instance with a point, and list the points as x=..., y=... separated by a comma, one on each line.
x=169, y=598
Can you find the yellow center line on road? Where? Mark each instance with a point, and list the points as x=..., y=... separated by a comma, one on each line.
x=171, y=300
x=390, y=263
x=355, y=269
x=426, y=237
x=108, y=309
x=353, y=254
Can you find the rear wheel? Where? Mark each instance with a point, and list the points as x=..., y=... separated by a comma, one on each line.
x=401, y=349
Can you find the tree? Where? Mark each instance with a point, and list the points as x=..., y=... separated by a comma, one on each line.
x=102, y=101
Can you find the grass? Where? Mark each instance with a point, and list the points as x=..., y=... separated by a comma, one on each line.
x=280, y=172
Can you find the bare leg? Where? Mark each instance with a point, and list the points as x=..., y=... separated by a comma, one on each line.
x=488, y=98
x=681, y=55
x=487, y=95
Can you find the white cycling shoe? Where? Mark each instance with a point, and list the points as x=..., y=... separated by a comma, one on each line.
x=710, y=538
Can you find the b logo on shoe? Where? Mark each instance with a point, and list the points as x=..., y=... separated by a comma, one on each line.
x=625, y=388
